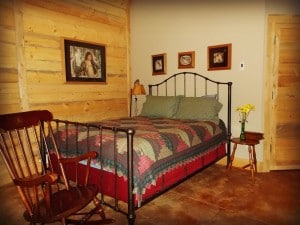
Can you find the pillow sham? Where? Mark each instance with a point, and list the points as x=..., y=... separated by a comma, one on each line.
x=198, y=108
x=160, y=106
x=211, y=96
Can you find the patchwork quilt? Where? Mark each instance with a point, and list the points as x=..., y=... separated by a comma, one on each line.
x=160, y=144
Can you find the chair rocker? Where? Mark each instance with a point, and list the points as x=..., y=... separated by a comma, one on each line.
x=25, y=141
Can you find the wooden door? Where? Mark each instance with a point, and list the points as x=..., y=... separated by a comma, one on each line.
x=282, y=123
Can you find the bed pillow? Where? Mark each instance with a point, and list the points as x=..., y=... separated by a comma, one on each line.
x=160, y=106
x=198, y=108
x=211, y=96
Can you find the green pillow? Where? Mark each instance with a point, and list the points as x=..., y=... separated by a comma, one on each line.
x=198, y=108
x=160, y=106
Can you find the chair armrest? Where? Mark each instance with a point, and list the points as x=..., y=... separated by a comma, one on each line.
x=36, y=180
x=75, y=160
x=90, y=155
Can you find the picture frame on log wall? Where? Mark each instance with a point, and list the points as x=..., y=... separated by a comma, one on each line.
x=84, y=62
x=219, y=57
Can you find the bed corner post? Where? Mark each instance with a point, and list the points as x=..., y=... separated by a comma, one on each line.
x=131, y=209
x=229, y=122
x=150, y=89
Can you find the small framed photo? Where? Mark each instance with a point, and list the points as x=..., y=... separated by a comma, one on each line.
x=219, y=57
x=159, y=64
x=186, y=60
x=84, y=62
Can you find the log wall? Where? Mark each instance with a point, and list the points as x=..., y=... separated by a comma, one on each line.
x=32, y=73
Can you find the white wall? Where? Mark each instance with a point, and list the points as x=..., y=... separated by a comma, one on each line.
x=192, y=25
x=172, y=27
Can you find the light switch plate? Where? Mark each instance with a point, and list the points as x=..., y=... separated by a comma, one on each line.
x=242, y=66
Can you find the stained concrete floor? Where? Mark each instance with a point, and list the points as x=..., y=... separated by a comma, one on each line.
x=209, y=197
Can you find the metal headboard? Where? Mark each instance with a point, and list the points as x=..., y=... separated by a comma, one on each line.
x=180, y=80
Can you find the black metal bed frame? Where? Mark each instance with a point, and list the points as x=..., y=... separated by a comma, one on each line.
x=65, y=125
x=130, y=136
x=205, y=92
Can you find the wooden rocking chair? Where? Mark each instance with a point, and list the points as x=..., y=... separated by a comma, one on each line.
x=24, y=136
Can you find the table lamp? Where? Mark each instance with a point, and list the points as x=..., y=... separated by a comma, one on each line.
x=138, y=89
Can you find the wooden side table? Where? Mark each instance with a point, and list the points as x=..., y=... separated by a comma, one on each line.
x=252, y=139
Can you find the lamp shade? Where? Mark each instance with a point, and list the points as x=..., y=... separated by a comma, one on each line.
x=138, y=89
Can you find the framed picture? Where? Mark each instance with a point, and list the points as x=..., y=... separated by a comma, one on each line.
x=159, y=64
x=219, y=57
x=186, y=60
x=84, y=62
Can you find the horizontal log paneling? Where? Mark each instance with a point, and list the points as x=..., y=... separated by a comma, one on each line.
x=71, y=94
x=56, y=24
x=7, y=35
x=291, y=157
x=282, y=128
x=93, y=110
x=90, y=10
x=9, y=87
x=8, y=55
x=9, y=98
x=35, y=53
x=32, y=74
x=44, y=25
x=288, y=130
x=284, y=116
x=8, y=75
x=7, y=18
x=10, y=107
x=46, y=77
x=287, y=57
x=289, y=33
x=40, y=40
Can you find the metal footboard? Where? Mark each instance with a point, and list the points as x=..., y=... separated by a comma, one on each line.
x=88, y=130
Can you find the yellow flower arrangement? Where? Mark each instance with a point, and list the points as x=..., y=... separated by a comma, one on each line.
x=244, y=111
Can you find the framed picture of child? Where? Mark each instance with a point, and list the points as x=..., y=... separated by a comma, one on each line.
x=84, y=62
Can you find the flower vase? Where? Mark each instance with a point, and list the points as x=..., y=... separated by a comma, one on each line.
x=242, y=135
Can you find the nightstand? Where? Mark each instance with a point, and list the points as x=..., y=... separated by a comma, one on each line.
x=252, y=139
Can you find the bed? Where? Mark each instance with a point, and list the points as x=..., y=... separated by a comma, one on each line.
x=178, y=133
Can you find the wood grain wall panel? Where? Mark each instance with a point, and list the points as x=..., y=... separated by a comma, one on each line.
x=8, y=75
x=63, y=25
x=44, y=25
x=8, y=55
x=288, y=130
x=99, y=11
x=41, y=40
x=9, y=93
x=9, y=86
x=7, y=18
x=93, y=110
x=283, y=127
x=75, y=94
x=7, y=35
x=50, y=78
